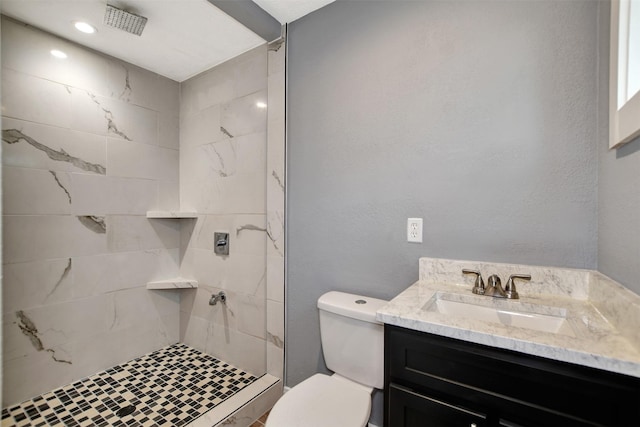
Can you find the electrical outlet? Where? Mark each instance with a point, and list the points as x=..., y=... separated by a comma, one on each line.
x=414, y=230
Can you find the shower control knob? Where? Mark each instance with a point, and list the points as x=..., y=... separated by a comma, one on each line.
x=221, y=243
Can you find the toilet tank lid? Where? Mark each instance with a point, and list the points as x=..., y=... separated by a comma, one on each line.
x=350, y=305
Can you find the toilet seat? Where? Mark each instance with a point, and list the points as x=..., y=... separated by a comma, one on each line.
x=322, y=401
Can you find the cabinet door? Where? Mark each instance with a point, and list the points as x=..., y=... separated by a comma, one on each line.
x=520, y=388
x=409, y=409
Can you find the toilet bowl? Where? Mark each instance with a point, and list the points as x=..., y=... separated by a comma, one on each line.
x=322, y=401
x=352, y=345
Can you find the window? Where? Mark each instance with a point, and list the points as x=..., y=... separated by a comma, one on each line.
x=624, y=72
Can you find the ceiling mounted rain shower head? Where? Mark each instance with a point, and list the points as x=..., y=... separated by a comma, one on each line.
x=123, y=20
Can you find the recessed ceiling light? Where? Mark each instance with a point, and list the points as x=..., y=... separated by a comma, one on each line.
x=261, y=104
x=58, y=54
x=84, y=27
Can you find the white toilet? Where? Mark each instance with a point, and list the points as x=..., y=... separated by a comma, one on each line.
x=353, y=348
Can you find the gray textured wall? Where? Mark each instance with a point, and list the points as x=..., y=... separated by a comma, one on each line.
x=480, y=117
x=618, y=192
x=619, y=214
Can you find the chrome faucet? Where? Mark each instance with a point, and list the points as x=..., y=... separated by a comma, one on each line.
x=494, y=287
x=220, y=296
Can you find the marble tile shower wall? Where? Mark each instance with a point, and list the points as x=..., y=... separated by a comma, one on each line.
x=89, y=145
x=223, y=144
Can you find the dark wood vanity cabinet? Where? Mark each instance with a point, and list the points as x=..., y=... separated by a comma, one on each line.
x=433, y=381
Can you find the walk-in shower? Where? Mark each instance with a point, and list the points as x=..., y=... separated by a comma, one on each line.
x=115, y=180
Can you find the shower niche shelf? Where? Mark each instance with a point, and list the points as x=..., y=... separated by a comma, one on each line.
x=171, y=214
x=175, y=283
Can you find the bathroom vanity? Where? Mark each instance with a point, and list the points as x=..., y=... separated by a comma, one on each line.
x=439, y=381
x=565, y=354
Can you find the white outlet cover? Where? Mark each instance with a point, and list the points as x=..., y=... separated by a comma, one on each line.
x=414, y=230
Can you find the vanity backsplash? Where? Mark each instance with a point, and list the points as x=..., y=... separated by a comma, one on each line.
x=544, y=280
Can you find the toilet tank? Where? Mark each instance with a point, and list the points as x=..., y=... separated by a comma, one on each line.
x=352, y=338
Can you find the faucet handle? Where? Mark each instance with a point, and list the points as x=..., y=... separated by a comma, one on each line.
x=510, y=287
x=478, y=286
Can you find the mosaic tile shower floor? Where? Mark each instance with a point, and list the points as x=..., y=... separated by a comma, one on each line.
x=169, y=387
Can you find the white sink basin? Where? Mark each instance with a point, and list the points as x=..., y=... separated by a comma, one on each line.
x=528, y=316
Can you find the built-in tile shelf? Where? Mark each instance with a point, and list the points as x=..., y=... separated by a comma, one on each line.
x=175, y=283
x=171, y=214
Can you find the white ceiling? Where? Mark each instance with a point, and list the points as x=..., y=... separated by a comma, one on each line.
x=287, y=11
x=182, y=38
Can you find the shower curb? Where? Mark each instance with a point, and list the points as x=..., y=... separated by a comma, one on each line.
x=244, y=407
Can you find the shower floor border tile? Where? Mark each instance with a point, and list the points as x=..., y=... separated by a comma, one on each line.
x=172, y=386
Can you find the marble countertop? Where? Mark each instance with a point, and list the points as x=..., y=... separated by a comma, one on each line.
x=590, y=340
